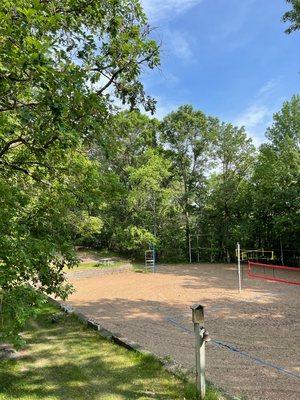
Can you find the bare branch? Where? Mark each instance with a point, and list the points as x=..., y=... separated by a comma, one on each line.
x=111, y=79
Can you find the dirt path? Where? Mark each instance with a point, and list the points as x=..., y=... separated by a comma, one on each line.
x=153, y=310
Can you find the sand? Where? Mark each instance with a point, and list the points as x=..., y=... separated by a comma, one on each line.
x=154, y=310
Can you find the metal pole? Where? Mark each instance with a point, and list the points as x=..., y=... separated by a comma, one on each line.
x=239, y=266
x=154, y=231
x=281, y=252
x=200, y=360
x=190, y=249
x=1, y=308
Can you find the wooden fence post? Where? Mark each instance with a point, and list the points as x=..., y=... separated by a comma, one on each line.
x=201, y=336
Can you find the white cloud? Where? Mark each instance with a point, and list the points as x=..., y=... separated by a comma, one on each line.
x=154, y=80
x=256, y=118
x=252, y=116
x=268, y=87
x=179, y=46
x=167, y=9
x=232, y=30
x=170, y=79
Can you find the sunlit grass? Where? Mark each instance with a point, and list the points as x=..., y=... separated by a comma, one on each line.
x=67, y=360
x=99, y=265
x=98, y=259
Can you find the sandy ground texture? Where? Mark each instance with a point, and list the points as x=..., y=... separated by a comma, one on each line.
x=262, y=323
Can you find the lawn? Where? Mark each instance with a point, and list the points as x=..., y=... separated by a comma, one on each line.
x=99, y=265
x=66, y=360
x=104, y=259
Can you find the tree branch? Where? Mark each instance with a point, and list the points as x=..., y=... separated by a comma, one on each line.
x=20, y=105
x=111, y=79
x=9, y=144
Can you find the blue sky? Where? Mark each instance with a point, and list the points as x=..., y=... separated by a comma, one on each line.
x=229, y=58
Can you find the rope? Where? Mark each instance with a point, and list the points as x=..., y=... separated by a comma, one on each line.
x=233, y=349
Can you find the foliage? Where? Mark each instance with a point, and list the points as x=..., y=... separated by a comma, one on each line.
x=18, y=307
x=193, y=179
x=62, y=66
x=188, y=135
x=76, y=171
x=277, y=180
x=292, y=16
x=137, y=173
x=226, y=208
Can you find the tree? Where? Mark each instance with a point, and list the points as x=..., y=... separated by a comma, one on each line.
x=149, y=198
x=62, y=65
x=292, y=16
x=227, y=207
x=188, y=135
x=276, y=181
x=136, y=211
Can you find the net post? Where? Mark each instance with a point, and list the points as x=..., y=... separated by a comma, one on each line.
x=239, y=266
x=190, y=249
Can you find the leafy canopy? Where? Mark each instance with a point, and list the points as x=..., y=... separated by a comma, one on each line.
x=62, y=66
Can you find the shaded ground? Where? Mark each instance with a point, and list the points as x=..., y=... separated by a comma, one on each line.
x=67, y=361
x=93, y=262
x=153, y=310
x=94, y=256
x=98, y=262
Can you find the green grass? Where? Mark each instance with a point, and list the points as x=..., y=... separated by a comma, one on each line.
x=98, y=265
x=140, y=267
x=94, y=260
x=137, y=266
x=67, y=360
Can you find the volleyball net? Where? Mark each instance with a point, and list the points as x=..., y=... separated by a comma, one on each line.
x=257, y=255
x=276, y=273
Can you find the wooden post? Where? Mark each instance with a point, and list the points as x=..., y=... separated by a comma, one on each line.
x=198, y=318
x=239, y=266
x=200, y=360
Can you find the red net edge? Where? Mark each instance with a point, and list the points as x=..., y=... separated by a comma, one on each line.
x=271, y=278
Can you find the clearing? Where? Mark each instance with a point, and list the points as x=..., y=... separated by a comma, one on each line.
x=255, y=347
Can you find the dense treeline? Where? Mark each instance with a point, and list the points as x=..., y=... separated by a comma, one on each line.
x=75, y=170
x=193, y=178
x=62, y=66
